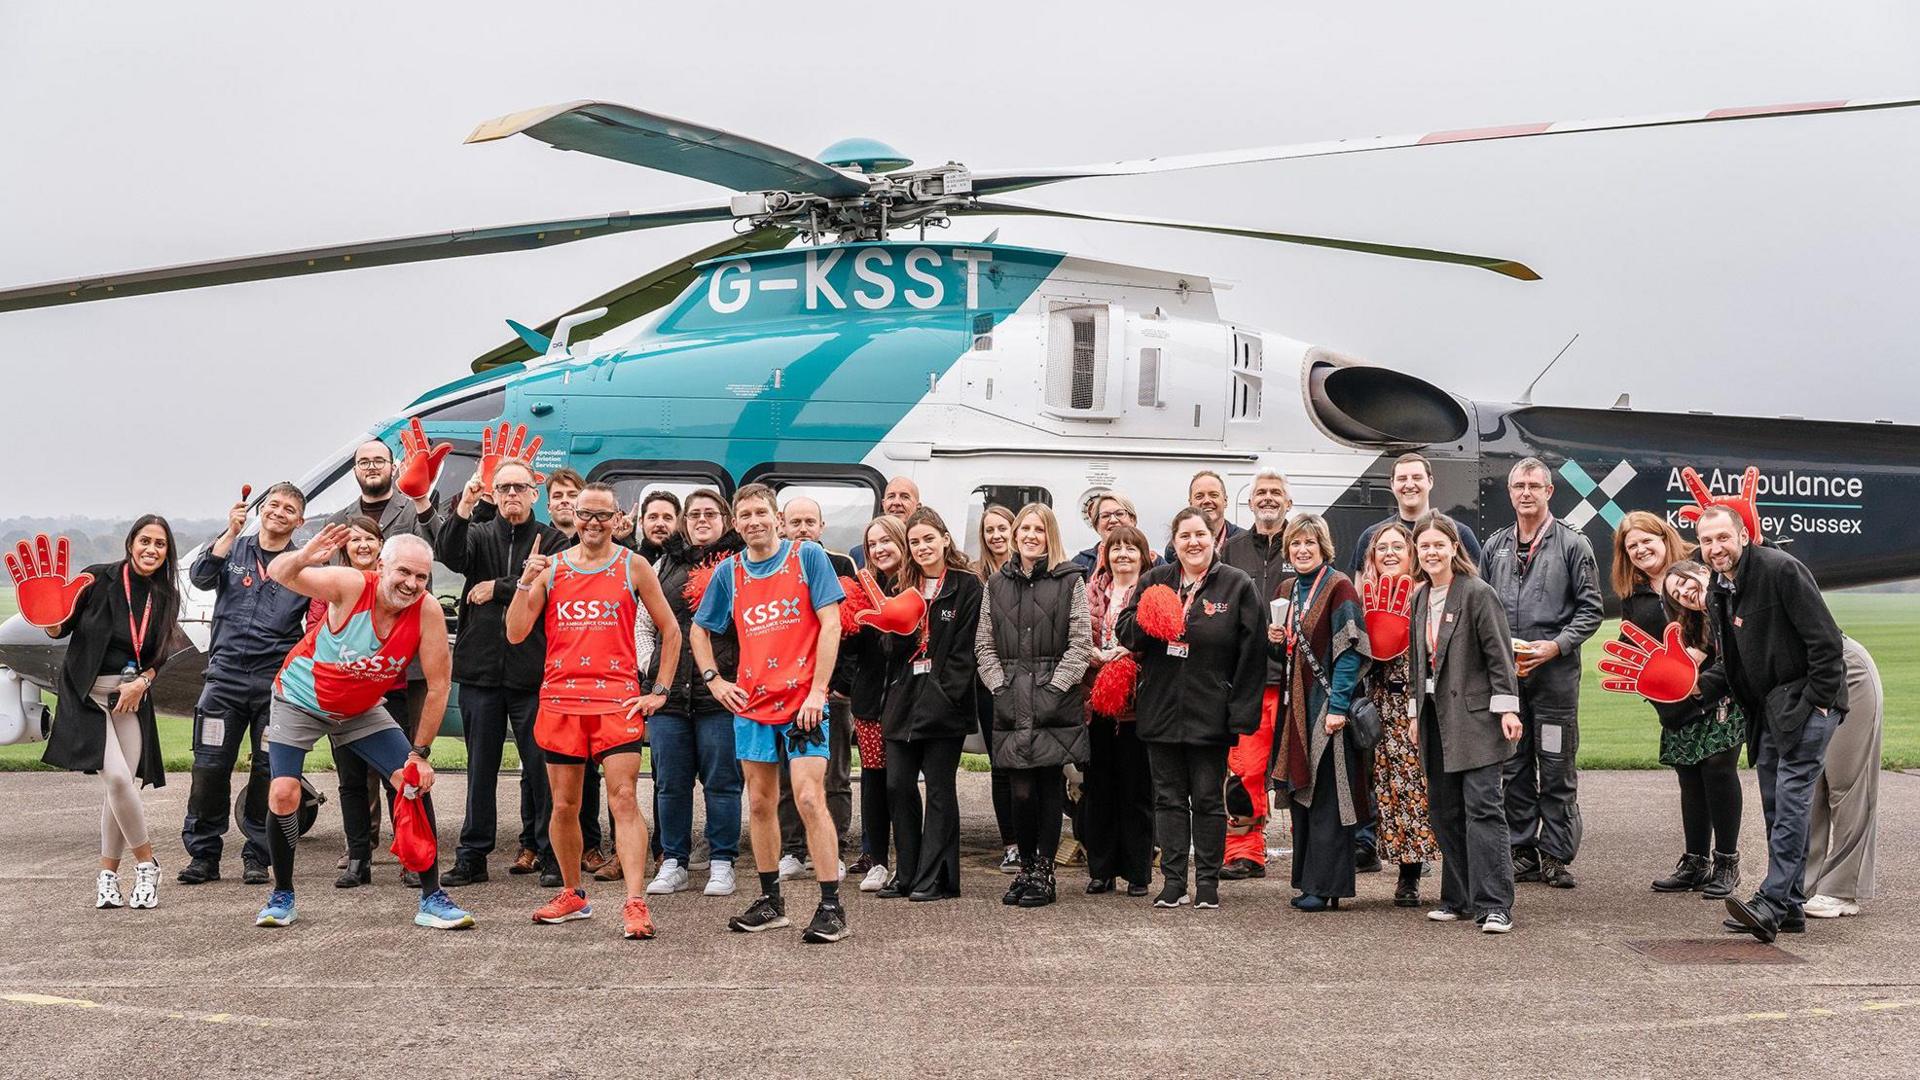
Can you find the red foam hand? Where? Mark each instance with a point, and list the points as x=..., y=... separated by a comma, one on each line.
x=1388, y=604
x=508, y=444
x=420, y=465
x=41, y=587
x=900, y=614
x=1745, y=504
x=856, y=601
x=1659, y=670
x=695, y=590
x=1160, y=614
x=413, y=841
x=1113, y=688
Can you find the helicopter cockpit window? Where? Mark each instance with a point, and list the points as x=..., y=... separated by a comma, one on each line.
x=483, y=406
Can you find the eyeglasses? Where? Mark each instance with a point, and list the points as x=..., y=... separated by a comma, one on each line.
x=1116, y=515
x=369, y=462
x=511, y=488
x=596, y=515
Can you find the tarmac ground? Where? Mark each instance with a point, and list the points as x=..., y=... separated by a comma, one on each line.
x=1092, y=986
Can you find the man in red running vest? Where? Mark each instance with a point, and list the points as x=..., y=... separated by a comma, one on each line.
x=592, y=706
x=783, y=600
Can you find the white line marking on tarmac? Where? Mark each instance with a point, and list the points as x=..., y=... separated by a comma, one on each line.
x=141, y=1010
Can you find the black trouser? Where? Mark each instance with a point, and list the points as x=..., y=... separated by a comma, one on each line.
x=1001, y=783
x=876, y=816
x=1541, y=778
x=1116, y=804
x=488, y=712
x=1039, y=798
x=793, y=831
x=232, y=717
x=1711, y=802
x=928, y=845
x=1189, y=807
x=1322, y=846
x=1468, y=813
x=361, y=792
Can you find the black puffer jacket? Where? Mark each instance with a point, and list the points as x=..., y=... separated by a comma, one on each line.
x=688, y=695
x=1035, y=641
x=1213, y=693
x=939, y=704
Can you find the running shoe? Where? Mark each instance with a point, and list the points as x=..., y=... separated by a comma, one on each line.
x=569, y=904
x=829, y=924
x=672, y=878
x=791, y=867
x=638, y=919
x=876, y=878
x=719, y=879
x=1821, y=906
x=437, y=910
x=1206, y=896
x=1172, y=895
x=279, y=909
x=766, y=913
x=106, y=893
x=146, y=886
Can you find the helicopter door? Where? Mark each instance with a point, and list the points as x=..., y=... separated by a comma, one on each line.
x=634, y=480
x=849, y=495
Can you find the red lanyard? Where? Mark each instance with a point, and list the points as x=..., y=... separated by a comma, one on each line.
x=1186, y=605
x=1533, y=546
x=1433, y=627
x=1297, y=613
x=926, y=623
x=140, y=632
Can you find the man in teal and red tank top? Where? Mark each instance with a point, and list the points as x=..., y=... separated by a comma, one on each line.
x=593, y=707
x=783, y=601
x=377, y=622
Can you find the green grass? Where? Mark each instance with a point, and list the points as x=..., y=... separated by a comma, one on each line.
x=1616, y=731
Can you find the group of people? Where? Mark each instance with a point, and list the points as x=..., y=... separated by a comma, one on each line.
x=1422, y=704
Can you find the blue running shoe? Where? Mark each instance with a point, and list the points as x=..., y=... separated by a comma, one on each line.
x=279, y=910
x=438, y=911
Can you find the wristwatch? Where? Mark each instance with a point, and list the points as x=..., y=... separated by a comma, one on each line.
x=709, y=675
x=424, y=752
x=657, y=690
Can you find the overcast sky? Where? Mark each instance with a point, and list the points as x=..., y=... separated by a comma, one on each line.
x=1763, y=267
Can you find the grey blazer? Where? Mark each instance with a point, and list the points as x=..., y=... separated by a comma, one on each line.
x=1473, y=675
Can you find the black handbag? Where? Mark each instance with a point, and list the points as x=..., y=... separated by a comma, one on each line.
x=1363, y=716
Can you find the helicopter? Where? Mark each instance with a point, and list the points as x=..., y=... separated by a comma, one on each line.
x=830, y=343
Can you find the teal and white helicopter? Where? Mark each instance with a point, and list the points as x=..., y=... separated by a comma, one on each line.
x=992, y=373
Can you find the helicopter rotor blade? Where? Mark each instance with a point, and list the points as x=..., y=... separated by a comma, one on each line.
x=1508, y=267
x=646, y=293
x=999, y=181
x=403, y=249
x=652, y=141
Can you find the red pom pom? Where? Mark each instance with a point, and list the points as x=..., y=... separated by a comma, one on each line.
x=1113, y=687
x=1160, y=614
x=856, y=601
x=695, y=590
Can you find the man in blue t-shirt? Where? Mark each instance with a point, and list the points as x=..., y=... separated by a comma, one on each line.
x=783, y=601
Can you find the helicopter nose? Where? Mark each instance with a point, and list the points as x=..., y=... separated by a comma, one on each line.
x=28, y=650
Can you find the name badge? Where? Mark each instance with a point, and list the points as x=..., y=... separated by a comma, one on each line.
x=1177, y=649
x=923, y=666
x=1429, y=687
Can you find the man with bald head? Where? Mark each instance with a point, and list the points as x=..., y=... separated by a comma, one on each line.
x=900, y=500
x=802, y=519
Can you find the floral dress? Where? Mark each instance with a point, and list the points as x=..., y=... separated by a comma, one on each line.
x=1399, y=786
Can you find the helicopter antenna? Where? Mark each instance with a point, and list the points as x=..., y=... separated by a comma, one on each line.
x=1526, y=398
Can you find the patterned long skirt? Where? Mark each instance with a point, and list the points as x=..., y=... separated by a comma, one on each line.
x=1399, y=786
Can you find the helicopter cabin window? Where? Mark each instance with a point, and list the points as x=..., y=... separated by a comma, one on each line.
x=1079, y=368
x=1011, y=496
x=1244, y=403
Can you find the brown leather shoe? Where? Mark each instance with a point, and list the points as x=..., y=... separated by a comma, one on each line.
x=609, y=871
x=527, y=862
x=592, y=860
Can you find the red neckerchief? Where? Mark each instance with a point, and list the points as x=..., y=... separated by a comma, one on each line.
x=140, y=632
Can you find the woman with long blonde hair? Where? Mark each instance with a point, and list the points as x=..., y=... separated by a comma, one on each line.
x=996, y=547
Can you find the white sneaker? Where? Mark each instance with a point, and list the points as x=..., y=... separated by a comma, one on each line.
x=1830, y=907
x=875, y=880
x=107, y=891
x=1443, y=914
x=672, y=878
x=720, y=879
x=702, y=856
x=791, y=867
x=146, y=886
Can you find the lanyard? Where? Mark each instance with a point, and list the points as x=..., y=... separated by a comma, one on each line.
x=1433, y=625
x=926, y=622
x=139, y=633
x=1526, y=557
x=1294, y=616
x=1186, y=604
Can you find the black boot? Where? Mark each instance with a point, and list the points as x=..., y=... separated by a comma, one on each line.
x=1022, y=881
x=1692, y=873
x=1406, y=893
x=1724, y=879
x=1040, y=887
x=357, y=872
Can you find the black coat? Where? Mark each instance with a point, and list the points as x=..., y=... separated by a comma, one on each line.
x=1037, y=634
x=1644, y=609
x=848, y=661
x=939, y=704
x=495, y=550
x=689, y=696
x=1264, y=559
x=1213, y=695
x=78, y=741
x=1779, y=649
